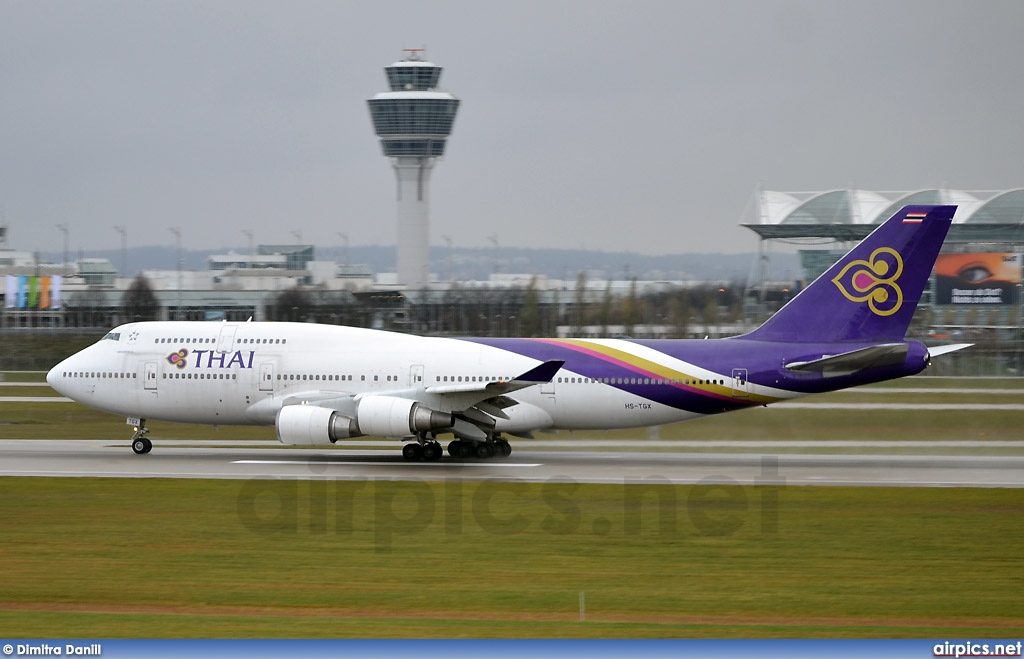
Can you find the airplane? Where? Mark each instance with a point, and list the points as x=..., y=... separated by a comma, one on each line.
x=318, y=384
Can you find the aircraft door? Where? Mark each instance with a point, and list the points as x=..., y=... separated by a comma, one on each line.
x=416, y=375
x=267, y=376
x=226, y=340
x=740, y=384
x=150, y=377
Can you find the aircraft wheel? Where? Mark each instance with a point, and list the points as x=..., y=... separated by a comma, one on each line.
x=502, y=448
x=141, y=446
x=412, y=451
x=484, y=450
x=462, y=449
x=432, y=451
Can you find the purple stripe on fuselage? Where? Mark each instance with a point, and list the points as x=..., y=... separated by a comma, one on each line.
x=634, y=369
x=764, y=362
x=609, y=370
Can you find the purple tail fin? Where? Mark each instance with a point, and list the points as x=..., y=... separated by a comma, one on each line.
x=872, y=292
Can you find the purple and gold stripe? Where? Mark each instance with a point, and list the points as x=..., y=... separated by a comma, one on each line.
x=637, y=375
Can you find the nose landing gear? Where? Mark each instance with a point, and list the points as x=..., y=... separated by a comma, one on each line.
x=140, y=443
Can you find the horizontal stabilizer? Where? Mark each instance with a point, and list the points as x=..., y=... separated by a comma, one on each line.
x=888, y=354
x=935, y=351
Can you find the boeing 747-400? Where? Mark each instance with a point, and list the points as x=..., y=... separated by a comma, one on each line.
x=318, y=384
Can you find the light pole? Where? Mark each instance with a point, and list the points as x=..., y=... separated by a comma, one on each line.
x=448, y=257
x=494, y=241
x=124, y=249
x=177, y=257
x=64, y=230
x=248, y=234
x=344, y=242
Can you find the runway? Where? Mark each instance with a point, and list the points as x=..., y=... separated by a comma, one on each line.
x=83, y=458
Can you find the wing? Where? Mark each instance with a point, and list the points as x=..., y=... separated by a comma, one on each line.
x=537, y=375
x=469, y=410
x=476, y=405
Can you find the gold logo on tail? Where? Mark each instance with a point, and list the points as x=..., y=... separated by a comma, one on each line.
x=874, y=281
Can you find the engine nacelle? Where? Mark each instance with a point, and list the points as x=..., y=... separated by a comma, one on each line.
x=308, y=425
x=386, y=416
x=390, y=416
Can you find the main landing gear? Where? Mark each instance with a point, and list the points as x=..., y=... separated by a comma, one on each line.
x=140, y=443
x=429, y=449
x=496, y=447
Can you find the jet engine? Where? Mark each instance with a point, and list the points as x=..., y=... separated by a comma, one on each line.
x=386, y=416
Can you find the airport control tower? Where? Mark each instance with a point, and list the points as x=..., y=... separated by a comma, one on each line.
x=413, y=121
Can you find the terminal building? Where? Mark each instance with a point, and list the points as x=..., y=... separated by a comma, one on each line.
x=90, y=292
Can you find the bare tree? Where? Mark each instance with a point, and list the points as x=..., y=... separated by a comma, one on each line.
x=580, y=304
x=139, y=302
x=292, y=304
x=530, y=314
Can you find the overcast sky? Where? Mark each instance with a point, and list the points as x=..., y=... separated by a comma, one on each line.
x=639, y=125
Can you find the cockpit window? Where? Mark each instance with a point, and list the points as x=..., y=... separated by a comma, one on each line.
x=112, y=336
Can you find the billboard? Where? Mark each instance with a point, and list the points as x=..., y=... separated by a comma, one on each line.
x=978, y=278
x=33, y=293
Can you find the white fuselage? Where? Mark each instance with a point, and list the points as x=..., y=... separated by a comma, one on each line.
x=243, y=373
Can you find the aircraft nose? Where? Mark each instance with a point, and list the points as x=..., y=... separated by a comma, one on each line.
x=55, y=377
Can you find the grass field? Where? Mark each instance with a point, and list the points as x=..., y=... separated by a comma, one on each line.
x=150, y=557
x=23, y=376
x=87, y=557
x=39, y=351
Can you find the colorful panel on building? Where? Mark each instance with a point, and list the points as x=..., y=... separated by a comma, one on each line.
x=978, y=278
x=33, y=293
